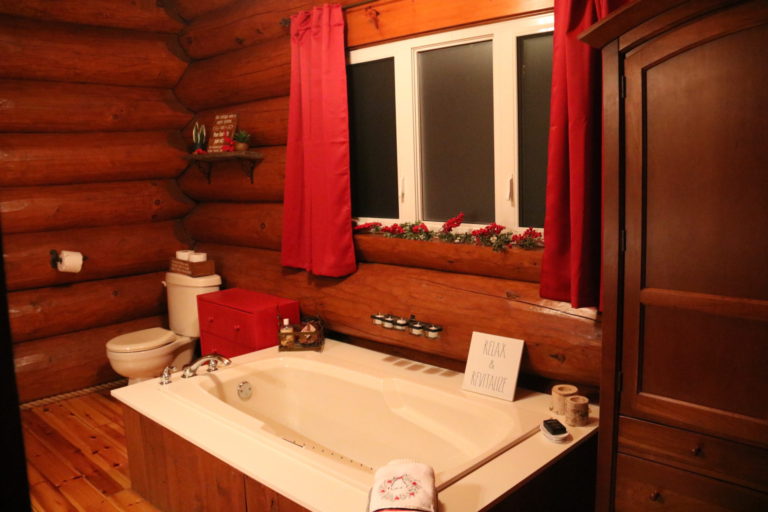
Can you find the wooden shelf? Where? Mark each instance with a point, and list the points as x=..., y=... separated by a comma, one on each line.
x=204, y=162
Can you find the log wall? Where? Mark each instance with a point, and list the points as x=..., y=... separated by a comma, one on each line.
x=242, y=52
x=90, y=147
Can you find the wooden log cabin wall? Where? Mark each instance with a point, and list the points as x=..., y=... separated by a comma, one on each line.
x=241, y=63
x=99, y=98
x=90, y=148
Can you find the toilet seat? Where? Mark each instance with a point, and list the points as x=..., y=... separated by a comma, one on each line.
x=139, y=341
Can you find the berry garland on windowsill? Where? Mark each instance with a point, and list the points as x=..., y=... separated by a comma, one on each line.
x=492, y=235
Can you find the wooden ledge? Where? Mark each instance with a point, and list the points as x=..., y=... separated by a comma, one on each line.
x=516, y=264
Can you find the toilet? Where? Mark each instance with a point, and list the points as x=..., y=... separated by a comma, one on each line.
x=142, y=355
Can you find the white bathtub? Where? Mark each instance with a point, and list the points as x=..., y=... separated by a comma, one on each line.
x=319, y=424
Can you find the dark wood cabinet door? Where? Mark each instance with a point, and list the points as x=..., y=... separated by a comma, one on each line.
x=695, y=320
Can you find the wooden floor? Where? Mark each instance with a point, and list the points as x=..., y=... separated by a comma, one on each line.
x=76, y=456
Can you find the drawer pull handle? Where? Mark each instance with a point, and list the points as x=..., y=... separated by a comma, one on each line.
x=237, y=327
x=655, y=496
x=697, y=451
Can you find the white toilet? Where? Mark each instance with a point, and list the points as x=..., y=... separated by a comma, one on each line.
x=141, y=355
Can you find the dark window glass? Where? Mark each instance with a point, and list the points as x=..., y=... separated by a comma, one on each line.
x=373, y=143
x=456, y=119
x=534, y=78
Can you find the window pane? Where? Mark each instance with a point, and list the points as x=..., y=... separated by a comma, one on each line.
x=456, y=125
x=373, y=143
x=534, y=62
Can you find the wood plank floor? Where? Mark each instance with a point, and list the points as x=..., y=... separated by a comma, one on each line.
x=76, y=456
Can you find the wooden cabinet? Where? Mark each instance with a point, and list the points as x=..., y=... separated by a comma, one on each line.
x=685, y=256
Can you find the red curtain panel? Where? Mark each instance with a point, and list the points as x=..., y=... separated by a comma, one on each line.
x=317, y=218
x=570, y=269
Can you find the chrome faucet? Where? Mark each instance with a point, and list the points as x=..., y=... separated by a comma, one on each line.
x=213, y=361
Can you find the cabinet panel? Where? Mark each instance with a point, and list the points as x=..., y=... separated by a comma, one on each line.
x=643, y=486
x=696, y=201
x=737, y=463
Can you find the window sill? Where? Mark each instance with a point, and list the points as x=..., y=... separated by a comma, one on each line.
x=514, y=263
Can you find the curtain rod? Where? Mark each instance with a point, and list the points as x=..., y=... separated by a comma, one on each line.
x=286, y=22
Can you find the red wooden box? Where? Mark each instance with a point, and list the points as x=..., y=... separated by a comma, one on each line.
x=237, y=321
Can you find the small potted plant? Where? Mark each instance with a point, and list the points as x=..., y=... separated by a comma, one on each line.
x=241, y=138
x=198, y=138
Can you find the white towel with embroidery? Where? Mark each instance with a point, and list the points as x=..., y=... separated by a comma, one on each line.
x=403, y=484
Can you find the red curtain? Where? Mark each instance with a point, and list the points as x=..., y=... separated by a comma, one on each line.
x=571, y=262
x=317, y=217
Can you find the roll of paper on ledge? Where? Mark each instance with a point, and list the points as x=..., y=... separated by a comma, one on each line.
x=183, y=255
x=197, y=257
x=70, y=261
x=559, y=394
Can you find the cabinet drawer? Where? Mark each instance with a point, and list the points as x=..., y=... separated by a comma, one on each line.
x=734, y=462
x=642, y=485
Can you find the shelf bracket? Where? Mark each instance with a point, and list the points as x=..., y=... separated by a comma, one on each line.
x=247, y=166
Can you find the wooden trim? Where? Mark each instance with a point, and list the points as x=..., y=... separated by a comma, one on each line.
x=612, y=273
x=395, y=19
x=736, y=307
x=513, y=263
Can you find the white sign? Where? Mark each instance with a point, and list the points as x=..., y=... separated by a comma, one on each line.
x=492, y=365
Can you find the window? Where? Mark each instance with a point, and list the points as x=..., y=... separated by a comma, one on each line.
x=450, y=122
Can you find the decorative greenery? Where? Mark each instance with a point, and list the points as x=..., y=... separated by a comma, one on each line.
x=492, y=235
x=242, y=136
x=199, y=135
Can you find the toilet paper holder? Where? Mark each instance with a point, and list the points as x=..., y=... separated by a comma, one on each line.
x=56, y=259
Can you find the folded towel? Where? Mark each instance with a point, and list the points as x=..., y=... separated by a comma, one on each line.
x=403, y=484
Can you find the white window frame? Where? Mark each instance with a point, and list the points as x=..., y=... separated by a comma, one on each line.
x=405, y=54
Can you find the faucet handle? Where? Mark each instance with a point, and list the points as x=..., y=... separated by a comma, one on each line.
x=213, y=365
x=165, y=378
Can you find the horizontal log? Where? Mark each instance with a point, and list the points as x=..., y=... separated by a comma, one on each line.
x=246, y=23
x=59, y=364
x=396, y=19
x=191, y=9
x=111, y=251
x=254, y=73
x=48, y=208
x=514, y=263
x=244, y=224
x=561, y=342
x=142, y=15
x=68, y=158
x=40, y=50
x=240, y=24
x=35, y=106
x=266, y=120
x=45, y=312
x=229, y=182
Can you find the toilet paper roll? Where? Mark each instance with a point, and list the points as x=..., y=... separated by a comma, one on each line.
x=197, y=257
x=559, y=394
x=70, y=261
x=184, y=254
x=576, y=410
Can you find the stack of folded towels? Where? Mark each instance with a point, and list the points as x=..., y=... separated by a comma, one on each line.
x=403, y=484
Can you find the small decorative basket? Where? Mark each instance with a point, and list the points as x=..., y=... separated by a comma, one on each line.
x=309, y=335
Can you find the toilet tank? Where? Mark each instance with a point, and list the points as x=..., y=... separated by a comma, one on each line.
x=182, y=293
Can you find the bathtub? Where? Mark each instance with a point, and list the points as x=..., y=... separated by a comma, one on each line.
x=315, y=426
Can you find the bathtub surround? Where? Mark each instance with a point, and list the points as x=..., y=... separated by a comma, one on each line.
x=327, y=468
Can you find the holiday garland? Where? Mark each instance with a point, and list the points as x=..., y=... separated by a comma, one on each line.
x=492, y=235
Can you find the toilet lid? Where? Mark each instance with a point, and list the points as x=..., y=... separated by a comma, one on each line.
x=136, y=341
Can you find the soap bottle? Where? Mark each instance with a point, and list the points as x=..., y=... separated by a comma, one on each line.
x=287, y=336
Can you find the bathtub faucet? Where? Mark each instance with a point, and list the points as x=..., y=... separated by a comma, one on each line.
x=212, y=360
